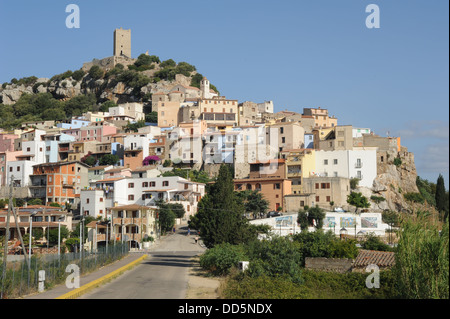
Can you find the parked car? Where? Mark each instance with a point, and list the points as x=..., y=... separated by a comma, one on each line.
x=273, y=214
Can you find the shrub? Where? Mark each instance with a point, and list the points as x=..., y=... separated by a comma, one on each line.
x=220, y=259
x=275, y=257
x=414, y=197
x=372, y=242
x=78, y=75
x=397, y=161
x=96, y=72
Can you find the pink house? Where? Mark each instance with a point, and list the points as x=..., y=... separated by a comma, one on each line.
x=96, y=131
x=7, y=142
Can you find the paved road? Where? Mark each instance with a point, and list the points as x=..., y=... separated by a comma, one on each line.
x=163, y=275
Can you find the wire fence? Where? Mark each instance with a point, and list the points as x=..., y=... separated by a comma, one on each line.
x=21, y=279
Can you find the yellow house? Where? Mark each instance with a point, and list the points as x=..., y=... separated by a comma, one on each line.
x=300, y=163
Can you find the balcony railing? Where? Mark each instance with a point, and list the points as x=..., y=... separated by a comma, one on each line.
x=358, y=165
x=134, y=148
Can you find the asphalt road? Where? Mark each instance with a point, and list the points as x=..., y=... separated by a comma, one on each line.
x=163, y=275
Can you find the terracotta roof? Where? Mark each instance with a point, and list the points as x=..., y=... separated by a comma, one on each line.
x=93, y=223
x=130, y=207
x=176, y=92
x=159, y=93
x=98, y=167
x=379, y=258
x=110, y=179
x=271, y=161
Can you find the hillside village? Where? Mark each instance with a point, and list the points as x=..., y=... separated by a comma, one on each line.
x=115, y=164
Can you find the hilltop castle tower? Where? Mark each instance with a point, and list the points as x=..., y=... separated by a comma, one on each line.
x=122, y=42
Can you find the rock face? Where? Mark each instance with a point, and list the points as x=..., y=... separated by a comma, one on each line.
x=104, y=89
x=393, y=181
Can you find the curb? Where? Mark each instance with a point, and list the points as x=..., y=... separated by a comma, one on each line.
x=93, y=284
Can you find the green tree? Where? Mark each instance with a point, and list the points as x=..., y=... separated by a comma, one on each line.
x=151, y=117
x=358, y=200
x=78, y=75
x=220, y=217
x=168, y=63
x=373, y=242
x=166, y=217
x=441, y=196
x=96, y=72
x=53, y=234
x=317, y=215
x=302, y=219
x=108, y=159
x=254, y=202
x=177, y=209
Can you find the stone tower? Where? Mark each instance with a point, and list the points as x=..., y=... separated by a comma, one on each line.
x=122, y=42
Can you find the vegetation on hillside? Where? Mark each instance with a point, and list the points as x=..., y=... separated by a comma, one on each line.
x=48, y=106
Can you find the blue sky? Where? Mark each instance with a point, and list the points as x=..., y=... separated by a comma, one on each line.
x=299, y=53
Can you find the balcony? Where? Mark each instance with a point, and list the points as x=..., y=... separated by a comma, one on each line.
x=358, y=165
x=133, y=148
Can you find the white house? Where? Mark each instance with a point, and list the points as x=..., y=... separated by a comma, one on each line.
x=110, y=192
x=358, y=163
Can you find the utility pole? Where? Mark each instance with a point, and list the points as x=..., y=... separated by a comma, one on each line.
x=5, y=248
x=20, y=235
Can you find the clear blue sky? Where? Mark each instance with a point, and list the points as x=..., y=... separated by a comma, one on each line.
x=299, y=53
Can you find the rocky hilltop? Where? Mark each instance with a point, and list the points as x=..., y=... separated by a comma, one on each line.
x=120, y=85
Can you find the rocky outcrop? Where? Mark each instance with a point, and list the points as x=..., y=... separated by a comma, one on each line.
x=105, y=90
x=394, y=179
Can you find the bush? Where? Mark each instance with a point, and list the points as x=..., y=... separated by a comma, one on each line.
x=96, y=72
x=220, y=259
x=78, y=75
x=397, y=161
x=274, y=257
x=372, y=242
x=414, y=197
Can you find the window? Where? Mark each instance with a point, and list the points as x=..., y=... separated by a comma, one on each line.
x=276, y=186
x=87, y=200
x=145, y=184
x=325, y=162
x=328, y=199
x=283, y=140
x=101, y=199
x=335, y=161
x=130, y=197
x=165, y=183
x=281, y=130
x=152, y=184
x=130, y=185
x=317, y=185
x=317, y=198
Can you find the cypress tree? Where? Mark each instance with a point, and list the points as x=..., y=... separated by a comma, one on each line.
x=220, y=217
x=441, y=196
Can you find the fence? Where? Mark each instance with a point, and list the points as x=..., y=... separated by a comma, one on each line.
x=20, y=281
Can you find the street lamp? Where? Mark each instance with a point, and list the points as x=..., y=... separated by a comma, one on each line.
x=360, y=234
x=343, y=232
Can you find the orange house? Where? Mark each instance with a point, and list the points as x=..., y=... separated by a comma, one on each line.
x=59, y=182
x=270, y=179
